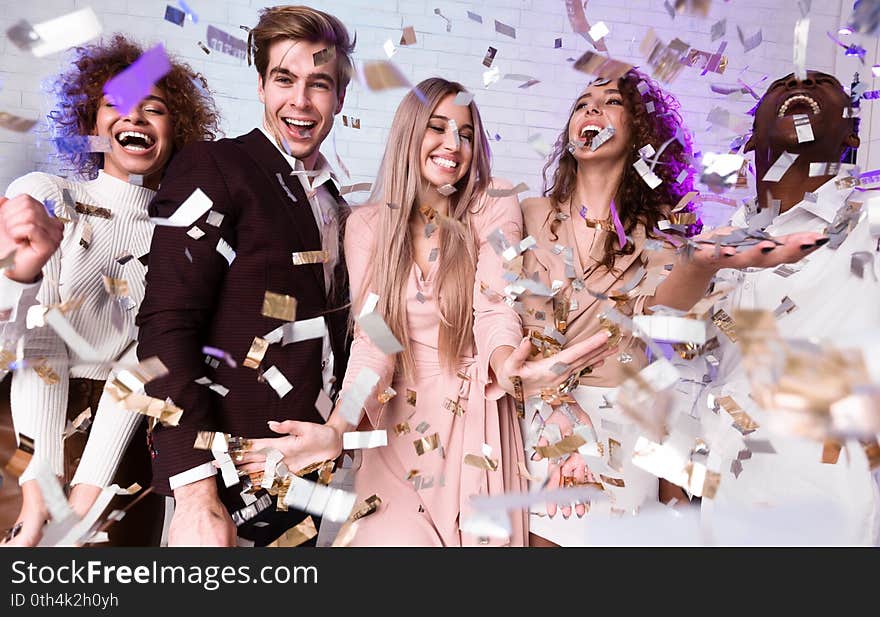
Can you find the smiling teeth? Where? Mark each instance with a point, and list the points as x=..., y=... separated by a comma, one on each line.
x=798, y=98
x=303, y=123
x=444, y=162
x=590, y=127
x=136, y=134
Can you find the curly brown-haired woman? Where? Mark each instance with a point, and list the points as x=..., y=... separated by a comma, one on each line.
x=98, y=264
x=592, y=228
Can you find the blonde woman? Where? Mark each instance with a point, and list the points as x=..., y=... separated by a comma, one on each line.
x=425, y=252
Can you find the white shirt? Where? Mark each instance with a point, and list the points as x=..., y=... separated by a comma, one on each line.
x=830, y=302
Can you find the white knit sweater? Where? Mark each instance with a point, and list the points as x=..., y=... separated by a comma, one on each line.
x=39, y=409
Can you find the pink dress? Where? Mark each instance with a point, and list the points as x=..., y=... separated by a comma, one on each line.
x=424, y=496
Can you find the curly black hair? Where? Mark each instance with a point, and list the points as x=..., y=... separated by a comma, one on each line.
x=79, y=92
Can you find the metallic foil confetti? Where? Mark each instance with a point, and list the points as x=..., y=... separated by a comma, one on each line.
x=481, y=462
x=324, y=56
x=329, y=503
x=383, y=75
x=355, y=188
x=506, y=192
x=489, y=57
x=446, y=19
x=401, y=428
x=650, y=178
x=453, y=406
x=195, y=232
x=65, y=31
x=354, y=398
x=386, y=395
x=204, y=47
x=594, y=64
x=278, y=381
x=301, y=533
x=801, y=32
x=21, y=458
x=446, y=190
x=23, y=35
x=188, y=212
x=128, y=88
x=355, y=440
x=374, y=326
x=862, y=263
x=803, y=128
x=779, y=167
x=750, y=43
x=15, y=123
x=310, y=257
x=279, y=306
x=411, y=397
x=463, y=98
x=422, y=427
x=602, y=137
x=115, y=287
x=831, y=451
x=85, y=238
x=174, y=15
x=564, y=446
x=741, y=420
x=502, y=28
x=427, y=444
x=408, y=37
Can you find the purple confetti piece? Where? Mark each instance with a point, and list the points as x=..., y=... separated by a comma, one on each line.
x=618, y=226
x=583, y=212
x=871, y=94
x=219, y=353
x=127, y=89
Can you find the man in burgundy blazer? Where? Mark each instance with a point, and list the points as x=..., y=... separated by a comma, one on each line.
x=207, y=287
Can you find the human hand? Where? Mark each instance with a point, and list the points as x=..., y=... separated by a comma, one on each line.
x=573, y=469
x=765, y=254
x=537, y=374
x=303, y=443
x=27, y=228
x=28, y=528
x=200, y=519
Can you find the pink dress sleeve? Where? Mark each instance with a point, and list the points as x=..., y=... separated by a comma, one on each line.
x=359, y=251
x=496, y=324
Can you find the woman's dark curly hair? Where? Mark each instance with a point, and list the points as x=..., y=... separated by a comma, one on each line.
x=636, y=202
x=79, y=92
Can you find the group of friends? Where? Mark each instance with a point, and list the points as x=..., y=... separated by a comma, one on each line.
x=506, y=320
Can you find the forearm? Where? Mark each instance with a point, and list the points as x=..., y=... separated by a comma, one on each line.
x=684, y=287
x=497, y=360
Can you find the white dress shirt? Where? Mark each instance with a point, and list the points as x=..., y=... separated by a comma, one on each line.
x=830, y=302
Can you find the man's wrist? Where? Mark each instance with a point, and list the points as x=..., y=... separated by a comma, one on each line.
x=201, y=490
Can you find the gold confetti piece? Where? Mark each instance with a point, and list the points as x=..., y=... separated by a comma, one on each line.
x=831, y=451
x=16, y=123
x=490, y=56
x=411, y=397
x=383, y=75
x=725, y=323
x=615, y=455
x=325, y=472
x=618, y=482
x=872, y=452
x=346, y=535
x=85, y=238
x=453, y=406
x=402, y=428
x=279, y=306
x=45, y=372
x=524, y=472
x=409, y=36
x=256, y=352
x=324, y=56
x=163, y=411
x=301, y=533
x=115, y=287
x=506, y=192
x=592, y=63
x=481, y=462
x=412, y=474
x=564, y=446
x=366, y=507
x=355, y=188
x=310, y=257
x=426, y=444
x=386, y=395
x=21, y=458
x=79, y=424
x=89, y=210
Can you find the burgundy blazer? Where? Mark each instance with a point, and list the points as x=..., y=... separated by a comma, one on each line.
x=194, y=298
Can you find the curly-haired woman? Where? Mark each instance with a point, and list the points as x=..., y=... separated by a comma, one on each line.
x=598, y=248
x=107, y=232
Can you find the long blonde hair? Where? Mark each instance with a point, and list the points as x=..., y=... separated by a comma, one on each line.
x=398, y=184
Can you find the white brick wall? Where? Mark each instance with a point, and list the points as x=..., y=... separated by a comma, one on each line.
x=512, y=112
